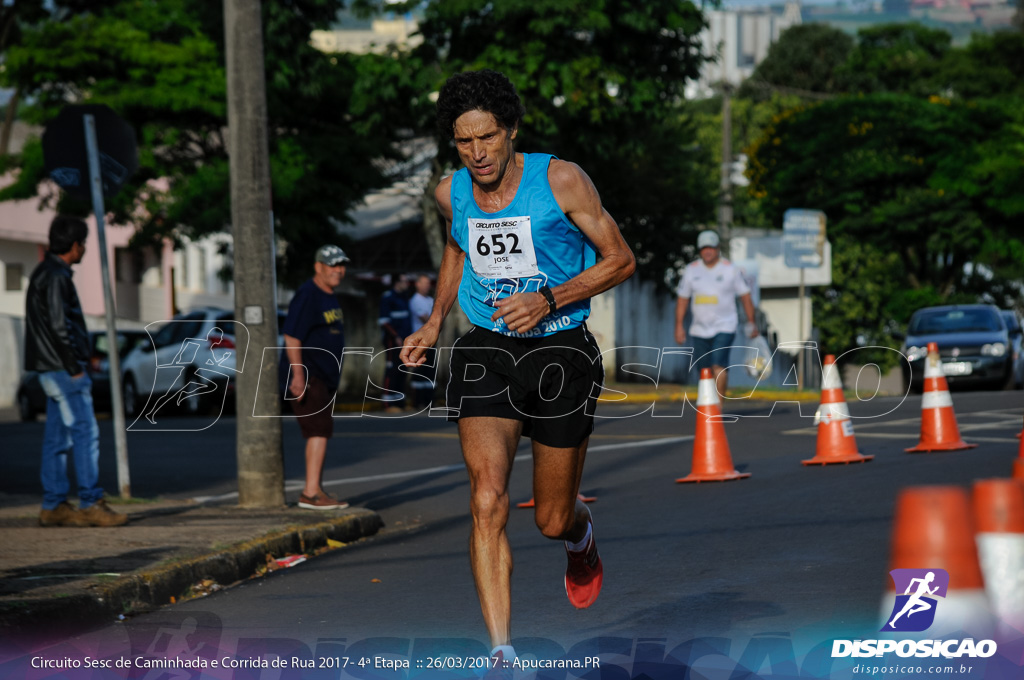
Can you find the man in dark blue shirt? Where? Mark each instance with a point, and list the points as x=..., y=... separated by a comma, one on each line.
x=395, y=325
x=314, y=339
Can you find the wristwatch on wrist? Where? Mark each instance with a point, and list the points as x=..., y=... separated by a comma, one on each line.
x=549, y=296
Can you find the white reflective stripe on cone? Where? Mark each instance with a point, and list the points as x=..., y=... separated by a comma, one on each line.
x=831, y=412
x=1001, y=556
x=936, y=400
x=707, y=393
x=831, y=381
x=840, y=411
x=933, y=367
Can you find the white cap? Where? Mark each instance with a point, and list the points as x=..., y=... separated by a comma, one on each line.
x=707, y=239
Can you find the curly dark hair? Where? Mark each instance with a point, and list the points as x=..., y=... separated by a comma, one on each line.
x=485, y=90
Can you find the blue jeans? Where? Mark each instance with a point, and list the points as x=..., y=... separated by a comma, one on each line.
x=70, y=425
x=709, y=352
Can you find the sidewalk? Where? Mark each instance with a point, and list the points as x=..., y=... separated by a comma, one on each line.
x=169, y=551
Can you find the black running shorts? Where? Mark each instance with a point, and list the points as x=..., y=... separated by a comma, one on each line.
x=549, y=383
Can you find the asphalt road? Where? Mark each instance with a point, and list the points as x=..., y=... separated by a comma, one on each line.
x=792, y=556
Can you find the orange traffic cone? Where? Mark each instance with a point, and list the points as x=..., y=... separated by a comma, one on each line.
x=1020, y=434
x=939, y=431
x=999, y=517
x=530, y=503
x=933, y=531
x=1018, y=465
x=836, y=443
x=712, y=461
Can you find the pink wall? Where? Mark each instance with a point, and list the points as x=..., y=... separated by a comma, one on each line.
x=23, y=221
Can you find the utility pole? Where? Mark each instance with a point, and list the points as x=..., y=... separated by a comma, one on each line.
x=725, y=207
x=258, y=447
x=725, y=202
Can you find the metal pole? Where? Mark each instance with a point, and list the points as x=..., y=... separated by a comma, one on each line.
x=725, y=215
x=116, y=399
x=801, y=358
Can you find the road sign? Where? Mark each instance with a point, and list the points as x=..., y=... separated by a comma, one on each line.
x=65, y=156
x=803, y=238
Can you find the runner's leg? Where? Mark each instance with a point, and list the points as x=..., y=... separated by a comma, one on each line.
x=556, y=482
x=489, y=446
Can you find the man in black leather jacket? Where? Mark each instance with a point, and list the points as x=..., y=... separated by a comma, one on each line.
x=57, y=347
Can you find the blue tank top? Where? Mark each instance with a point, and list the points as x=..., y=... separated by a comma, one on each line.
x=527, y=245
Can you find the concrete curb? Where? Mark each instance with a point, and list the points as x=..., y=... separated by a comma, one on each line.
x=101, y=603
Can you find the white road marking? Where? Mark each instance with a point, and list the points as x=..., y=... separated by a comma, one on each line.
x=296, y=484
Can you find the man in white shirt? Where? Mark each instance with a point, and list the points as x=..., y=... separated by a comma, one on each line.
x=420, y=306
x=713, y=283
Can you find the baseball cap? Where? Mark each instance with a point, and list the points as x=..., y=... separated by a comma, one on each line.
x=707, y=239
x=331, y=255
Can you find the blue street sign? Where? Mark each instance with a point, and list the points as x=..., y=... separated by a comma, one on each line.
x=803, y=238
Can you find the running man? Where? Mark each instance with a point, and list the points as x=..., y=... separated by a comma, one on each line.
x=915, y=604
x=523, y=234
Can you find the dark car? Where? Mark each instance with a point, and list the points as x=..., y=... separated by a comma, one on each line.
x=974, y=346
x=1013, y=327
x=31, y=398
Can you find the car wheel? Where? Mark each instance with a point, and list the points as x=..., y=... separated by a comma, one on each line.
x=131, y=398
x=25, y=410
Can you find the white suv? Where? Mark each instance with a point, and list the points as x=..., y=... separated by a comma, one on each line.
x=190, y=364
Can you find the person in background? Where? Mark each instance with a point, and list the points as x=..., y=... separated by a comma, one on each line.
x=57, y=347
x=713, y=283
x=420, y=306
x=395, y=326
x=314, y=341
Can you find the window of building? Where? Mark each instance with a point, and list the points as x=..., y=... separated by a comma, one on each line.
x=13, y=275
x=127, y=266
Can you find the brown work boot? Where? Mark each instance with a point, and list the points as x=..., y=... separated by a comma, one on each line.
x=100, y=515
x=64, y=515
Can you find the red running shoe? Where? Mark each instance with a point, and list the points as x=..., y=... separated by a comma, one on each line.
x=584, y=574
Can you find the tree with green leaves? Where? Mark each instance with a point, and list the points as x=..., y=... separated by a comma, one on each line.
x=897, y=58
x=990, y=65
x=160, y=66
x=805, y=60
x=920, y=196
x=17, y=16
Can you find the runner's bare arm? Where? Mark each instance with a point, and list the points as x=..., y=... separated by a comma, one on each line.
x=579, y=200
x=447, y=290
